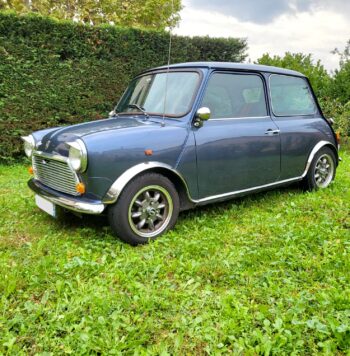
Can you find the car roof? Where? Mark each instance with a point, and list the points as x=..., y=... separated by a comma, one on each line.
x=232, y=66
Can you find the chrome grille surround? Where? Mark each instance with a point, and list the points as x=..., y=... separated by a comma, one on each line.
x=55, y=172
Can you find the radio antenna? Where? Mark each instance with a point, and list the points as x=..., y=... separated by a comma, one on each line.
x=168, y=66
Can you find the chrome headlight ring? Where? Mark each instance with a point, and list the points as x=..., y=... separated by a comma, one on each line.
x=29, y=145
x=77, y=158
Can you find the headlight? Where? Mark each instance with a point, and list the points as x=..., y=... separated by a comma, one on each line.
x=29, y=145
x=77, y=156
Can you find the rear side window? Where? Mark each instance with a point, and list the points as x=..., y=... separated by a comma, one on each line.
x=291, y=96
x=230, y=95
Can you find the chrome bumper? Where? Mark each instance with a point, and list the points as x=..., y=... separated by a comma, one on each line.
x=79, y=205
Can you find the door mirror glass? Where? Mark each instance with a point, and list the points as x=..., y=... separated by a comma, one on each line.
x=203, y=113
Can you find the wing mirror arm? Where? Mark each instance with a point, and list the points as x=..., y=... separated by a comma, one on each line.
x=113, y=113
x=202, y=114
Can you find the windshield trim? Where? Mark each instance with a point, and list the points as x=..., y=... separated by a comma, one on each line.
x=165, y=70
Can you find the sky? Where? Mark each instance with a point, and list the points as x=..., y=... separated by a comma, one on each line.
x=273, y=26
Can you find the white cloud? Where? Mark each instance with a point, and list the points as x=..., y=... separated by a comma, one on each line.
x=317, y=33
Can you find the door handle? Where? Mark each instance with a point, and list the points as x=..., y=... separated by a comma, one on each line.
x=272, y=132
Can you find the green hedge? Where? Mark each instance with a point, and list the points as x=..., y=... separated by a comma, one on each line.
x=57, y=73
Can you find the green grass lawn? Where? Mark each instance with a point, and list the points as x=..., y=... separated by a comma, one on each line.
x=263, y=274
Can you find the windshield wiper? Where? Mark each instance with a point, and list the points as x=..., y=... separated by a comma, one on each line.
x=139, y=108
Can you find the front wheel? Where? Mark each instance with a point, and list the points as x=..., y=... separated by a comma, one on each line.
x=148, y=206
x=322, y=170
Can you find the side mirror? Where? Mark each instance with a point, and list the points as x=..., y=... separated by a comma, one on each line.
x=202, y=114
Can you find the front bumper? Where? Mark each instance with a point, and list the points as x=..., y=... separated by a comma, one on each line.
x=79, y=205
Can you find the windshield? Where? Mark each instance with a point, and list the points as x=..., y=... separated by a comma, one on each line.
x=170, y=94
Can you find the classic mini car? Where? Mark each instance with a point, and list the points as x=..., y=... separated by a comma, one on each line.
x=181, y=136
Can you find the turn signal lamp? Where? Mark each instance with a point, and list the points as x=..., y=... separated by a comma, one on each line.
x=31, y=170
x=80, y=188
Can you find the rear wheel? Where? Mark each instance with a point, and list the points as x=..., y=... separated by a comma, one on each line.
x=148, y=206
x=322, y=170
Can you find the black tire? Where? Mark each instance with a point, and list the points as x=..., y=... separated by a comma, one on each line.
x=312, y=179
x=123, y=215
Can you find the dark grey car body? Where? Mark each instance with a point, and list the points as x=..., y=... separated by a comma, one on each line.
x=220, y=159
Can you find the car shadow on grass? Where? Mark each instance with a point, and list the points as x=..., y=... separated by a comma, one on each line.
x=97, y=226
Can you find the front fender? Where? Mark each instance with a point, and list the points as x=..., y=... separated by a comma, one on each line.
x=112, y=153
x=117, y=187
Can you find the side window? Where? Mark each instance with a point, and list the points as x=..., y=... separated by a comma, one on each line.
x=230, y=95
x=291, y=96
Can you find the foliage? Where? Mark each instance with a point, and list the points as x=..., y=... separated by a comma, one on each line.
x=57, y=73
x=345, y=55
x=341, y=85
x=265, y=274
x=156, y=14
x=304, y=63
x=338, y=102
x=333, y=108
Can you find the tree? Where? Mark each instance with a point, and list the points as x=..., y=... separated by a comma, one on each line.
x=341, y=84
x=149, y=14
x=303, y=63
x=344, y=56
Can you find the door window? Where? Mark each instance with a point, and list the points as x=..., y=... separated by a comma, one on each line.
x=230, y=95
x=291, y=96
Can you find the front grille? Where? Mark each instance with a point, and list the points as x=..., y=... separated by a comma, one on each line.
x=55, y=174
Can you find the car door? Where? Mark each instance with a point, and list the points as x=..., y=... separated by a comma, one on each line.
x=238, y=148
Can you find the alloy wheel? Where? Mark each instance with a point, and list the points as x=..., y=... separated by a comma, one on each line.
x=324, y=171
x=150, y=211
